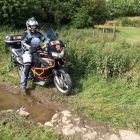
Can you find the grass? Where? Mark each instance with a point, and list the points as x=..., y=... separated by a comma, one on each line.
x=105, y=75
x=130, y=34
x=15, y=127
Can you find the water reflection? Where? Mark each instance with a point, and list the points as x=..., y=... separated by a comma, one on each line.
x=39, y=112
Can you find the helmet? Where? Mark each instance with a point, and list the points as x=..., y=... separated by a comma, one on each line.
x=32, y=24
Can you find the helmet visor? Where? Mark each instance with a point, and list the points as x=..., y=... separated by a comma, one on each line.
x=33, y=27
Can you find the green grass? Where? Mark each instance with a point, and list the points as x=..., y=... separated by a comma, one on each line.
x=130, y=33
x=111, y=101
x=14, y=127
x=105, y=75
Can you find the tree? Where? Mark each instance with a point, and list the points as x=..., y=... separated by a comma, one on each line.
x=90, y=12
x=120, y=8
x=17, y=12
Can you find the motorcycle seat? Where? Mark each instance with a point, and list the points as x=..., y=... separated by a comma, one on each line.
x=14, y=41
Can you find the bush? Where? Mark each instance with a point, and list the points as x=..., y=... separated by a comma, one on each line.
x=122, y=8
x=108, y=59
x=90, y=12
x=80, y=13
x=82, y=19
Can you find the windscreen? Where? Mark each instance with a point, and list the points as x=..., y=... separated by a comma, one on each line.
x=49, y=33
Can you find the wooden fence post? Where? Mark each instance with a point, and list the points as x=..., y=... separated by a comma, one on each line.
x=114, y=31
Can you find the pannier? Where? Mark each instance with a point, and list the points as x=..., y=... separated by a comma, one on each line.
x=13, y=41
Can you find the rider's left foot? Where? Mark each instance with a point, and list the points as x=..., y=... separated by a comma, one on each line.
x=23, y=90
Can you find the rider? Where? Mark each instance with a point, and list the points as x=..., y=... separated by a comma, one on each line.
x=30, y=42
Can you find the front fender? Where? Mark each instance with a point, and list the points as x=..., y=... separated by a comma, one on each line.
x=57, y=71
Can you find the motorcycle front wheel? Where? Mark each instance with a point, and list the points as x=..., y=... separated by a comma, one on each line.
x=63, y=82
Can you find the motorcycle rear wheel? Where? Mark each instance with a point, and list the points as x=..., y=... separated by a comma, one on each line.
x=63, y=82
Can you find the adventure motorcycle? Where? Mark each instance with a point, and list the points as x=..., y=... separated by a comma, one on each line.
x=48, y=64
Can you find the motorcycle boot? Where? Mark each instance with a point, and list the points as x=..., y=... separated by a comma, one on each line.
x=24, y=77
x=23, y=91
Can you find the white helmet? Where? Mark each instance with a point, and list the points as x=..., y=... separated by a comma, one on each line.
x=32, y=24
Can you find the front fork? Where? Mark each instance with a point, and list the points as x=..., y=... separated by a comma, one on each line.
x=57, y=71
x=57, y=76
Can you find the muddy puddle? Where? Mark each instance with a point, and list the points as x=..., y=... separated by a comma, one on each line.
x=39, y=112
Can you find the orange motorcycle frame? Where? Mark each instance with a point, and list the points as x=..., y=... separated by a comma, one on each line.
x=41, y=71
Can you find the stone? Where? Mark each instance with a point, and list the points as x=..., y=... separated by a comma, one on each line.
x=10, y=110
x=40, y=124
x=90, y=136
x=84, y=129
x=69, y=126
x=67, y=122
x=64, y=119
x=86, y=126
x=67, y=131
x=128, y=135
x=77, y=120
x=22, y=112
x=66, y=113
x=55, y=117
x=77, y=129
x=114, y=137
x=48, y=124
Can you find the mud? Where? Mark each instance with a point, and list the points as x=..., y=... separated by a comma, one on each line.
x=39, y=112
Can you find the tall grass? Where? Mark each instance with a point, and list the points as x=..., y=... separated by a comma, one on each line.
x=111, y=59
x=131, y=22
x=106, y=78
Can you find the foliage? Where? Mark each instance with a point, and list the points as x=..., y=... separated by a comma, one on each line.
x=78, y=13
x=89, y=13
x=55, y=11
x=122, y=8
x=15, y=12
x=82, y=19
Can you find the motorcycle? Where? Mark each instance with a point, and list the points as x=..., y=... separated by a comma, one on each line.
x=48, y=65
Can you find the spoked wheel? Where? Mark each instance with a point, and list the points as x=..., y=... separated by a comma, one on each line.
x=63, y=82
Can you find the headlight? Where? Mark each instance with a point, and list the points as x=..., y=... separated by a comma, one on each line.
x=58, y=55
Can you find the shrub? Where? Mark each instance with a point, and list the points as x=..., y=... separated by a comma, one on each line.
x=82, y=19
